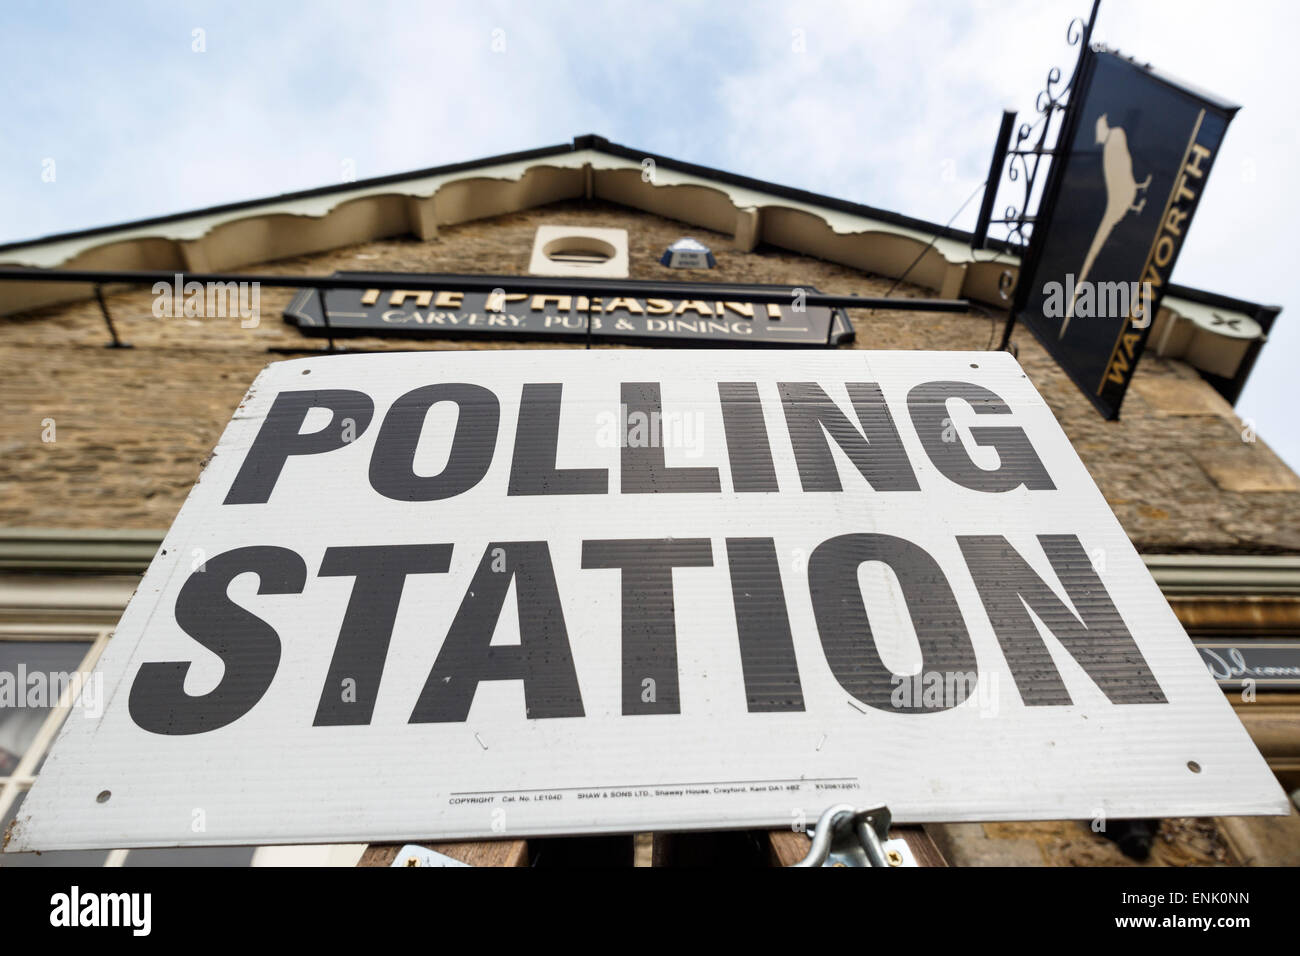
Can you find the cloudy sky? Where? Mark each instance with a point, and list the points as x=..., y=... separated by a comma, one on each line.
x=155, y=107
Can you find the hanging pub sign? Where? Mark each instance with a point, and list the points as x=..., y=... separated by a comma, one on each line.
x=1137, y=152
x=473, y=594
x=680, y=320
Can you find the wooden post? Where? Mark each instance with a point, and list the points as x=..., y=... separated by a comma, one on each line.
x=478, y=853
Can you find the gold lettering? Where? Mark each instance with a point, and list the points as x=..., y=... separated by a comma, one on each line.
x=1165, y=249
x=740, y=308
x=370, y=297
x=449, y=300
x=562, y=302
x=694, y=305
x=1174, y=221
x=1199, y=153
x=1117, y=369
x=399, y=296
x=628, y=305
x=658, y=306
x=1158, y=259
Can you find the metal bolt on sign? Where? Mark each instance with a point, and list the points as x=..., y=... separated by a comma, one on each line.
x=847, y=836
x=415, y=855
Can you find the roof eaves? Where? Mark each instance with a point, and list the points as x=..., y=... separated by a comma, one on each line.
x=346, y=187
x=599, y=144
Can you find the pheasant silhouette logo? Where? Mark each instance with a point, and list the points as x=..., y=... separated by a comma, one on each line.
x=1122, y=191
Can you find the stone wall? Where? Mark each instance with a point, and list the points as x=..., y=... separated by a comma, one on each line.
x=131, y=427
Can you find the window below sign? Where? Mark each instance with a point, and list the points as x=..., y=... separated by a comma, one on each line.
x=43, y=666
x=38, y=663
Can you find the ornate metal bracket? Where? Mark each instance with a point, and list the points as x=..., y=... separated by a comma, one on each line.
x=1030, y=154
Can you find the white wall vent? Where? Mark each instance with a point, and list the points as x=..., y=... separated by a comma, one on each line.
x=579, y=251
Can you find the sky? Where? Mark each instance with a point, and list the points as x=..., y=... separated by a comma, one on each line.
x=145, y=108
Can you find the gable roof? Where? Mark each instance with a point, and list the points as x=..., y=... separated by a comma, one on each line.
x=232, y=236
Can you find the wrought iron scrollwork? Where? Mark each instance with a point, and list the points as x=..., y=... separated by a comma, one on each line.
x=1029, y=152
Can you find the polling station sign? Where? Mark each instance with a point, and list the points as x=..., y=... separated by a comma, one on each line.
x=477, y=594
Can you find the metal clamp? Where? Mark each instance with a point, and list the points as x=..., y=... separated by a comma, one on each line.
x=847, y=836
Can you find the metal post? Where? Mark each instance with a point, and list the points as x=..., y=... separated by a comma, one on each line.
x=980, y=238
x=1006, y=331
x=325, y=317
x=108, y=320
x=486, y=283
x=1029, y=254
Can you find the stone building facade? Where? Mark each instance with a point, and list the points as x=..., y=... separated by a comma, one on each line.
x=99, y=446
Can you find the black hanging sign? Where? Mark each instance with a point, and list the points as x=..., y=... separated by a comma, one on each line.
x=676, y=321
x=1137, y=151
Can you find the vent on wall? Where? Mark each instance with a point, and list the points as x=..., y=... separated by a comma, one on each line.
x=579, y=251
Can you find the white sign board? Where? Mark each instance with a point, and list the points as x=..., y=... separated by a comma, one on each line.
x=476, y=594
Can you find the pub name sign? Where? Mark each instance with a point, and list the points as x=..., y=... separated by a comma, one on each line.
x=702, y=316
